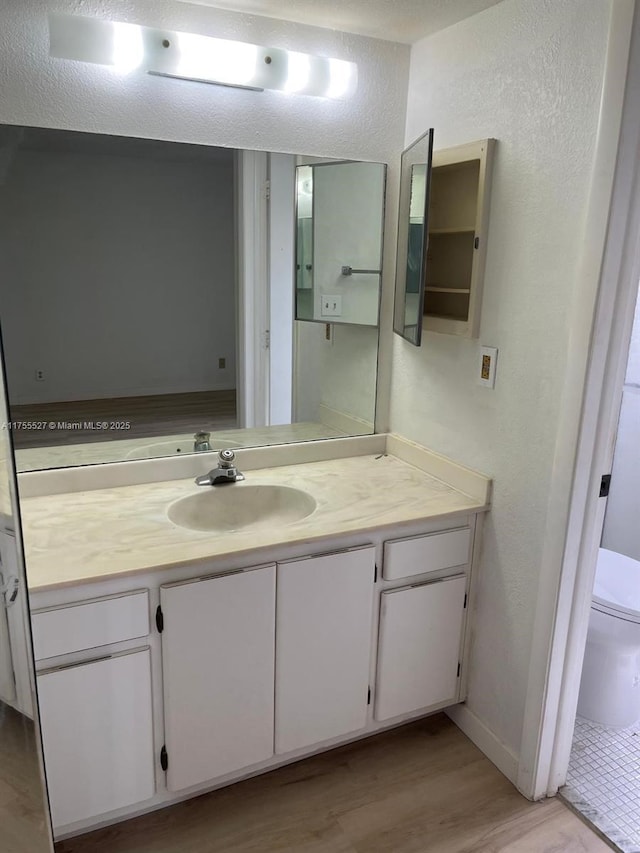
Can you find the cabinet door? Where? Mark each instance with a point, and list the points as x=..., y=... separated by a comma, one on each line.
x=420, y=635
x=97, y=735
x=324, y=611
x=218, y=661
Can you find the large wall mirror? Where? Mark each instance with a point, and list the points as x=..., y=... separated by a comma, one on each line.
x=128, y=281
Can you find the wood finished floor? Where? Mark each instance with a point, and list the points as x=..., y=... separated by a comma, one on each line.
x=418, y=789
x=22, y=817
x=162, y=414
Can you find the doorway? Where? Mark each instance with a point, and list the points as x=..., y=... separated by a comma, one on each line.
x=603, y=779
x=603, y=324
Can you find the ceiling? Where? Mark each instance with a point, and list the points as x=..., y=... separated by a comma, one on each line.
x=394, y=20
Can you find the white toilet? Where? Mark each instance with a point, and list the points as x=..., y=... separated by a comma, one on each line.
x=610, y=686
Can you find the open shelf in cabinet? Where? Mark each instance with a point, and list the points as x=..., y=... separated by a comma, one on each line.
x=458, y=221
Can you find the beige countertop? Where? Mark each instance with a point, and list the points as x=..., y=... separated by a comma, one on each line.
x=102, y=534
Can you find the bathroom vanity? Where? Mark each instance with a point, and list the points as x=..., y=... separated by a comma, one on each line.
x=174, y=660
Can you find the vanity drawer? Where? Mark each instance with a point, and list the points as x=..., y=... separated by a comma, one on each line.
x=90, y=624
x=418, y=555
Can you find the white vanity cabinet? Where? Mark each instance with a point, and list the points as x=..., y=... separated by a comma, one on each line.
x=419, y=646
x=95, y=700
x=323, y=646
x=97, y=735
x=247, y=666
x=433, y=552
x=422, y=619
x=218, y=639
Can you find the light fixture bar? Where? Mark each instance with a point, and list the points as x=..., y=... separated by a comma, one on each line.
x=167, y=53
x=203, y=80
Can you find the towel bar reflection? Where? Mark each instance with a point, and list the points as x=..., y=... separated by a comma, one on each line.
x=346, y=270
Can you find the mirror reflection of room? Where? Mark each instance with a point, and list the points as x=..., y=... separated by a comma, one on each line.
x=127, y=297
x=119, y=260
x=339, y=240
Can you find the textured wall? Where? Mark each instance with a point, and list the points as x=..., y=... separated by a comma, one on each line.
x=53, y=93
x=528, y=73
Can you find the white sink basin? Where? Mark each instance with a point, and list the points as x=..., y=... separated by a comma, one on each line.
x=172, y=448
x=241, y=506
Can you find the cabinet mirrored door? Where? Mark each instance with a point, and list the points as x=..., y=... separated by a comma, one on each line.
x=339, y=230
x=413, y=238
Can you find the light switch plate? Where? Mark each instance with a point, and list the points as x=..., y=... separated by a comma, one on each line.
x=331, y=305
x=487, y=367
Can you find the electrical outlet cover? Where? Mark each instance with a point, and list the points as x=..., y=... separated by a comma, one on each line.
x=487, y=367
x=331, y=305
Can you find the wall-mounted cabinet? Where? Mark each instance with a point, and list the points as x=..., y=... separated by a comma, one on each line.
x=458, y=224
x=442, y=238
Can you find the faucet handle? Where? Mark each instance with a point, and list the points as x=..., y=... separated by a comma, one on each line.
x=201, y=441
x=227, y=458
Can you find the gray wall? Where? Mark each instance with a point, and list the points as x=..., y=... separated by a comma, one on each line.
x=117, y=275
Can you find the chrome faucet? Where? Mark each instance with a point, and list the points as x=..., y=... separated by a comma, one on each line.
x=201, y=442
x=226, y=472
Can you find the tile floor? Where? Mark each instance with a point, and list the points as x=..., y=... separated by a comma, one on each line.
x=603, y=783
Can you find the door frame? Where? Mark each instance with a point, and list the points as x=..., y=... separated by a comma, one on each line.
x=602, y=322
x=252, y=297
x=281, y=285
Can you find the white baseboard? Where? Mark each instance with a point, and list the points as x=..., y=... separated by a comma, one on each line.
x=485, y=740
x=76, y=395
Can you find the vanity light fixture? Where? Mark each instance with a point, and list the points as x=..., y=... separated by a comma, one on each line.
x=167, y=53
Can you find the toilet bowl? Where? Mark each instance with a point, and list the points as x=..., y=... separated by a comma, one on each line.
x=610, y=686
